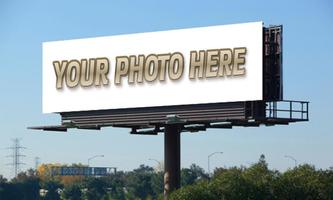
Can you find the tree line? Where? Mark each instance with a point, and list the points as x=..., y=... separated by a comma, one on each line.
x=303, y=182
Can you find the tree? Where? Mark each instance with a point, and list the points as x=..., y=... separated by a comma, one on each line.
x=192, y=174
x=230, y=184
x=303, y=182
x=157, y=184
x=2, y=179
x=53, y=186
x=115, y=184
x=327, y=178
x=236, y=183
x=261, y=180
x=72, y=192
x=138, y=182
x=44, y=172
x=3, y=188
x=95, y=188
x=25, y=186
x=197, y=191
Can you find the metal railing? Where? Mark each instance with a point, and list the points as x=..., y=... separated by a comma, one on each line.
x=287, y=109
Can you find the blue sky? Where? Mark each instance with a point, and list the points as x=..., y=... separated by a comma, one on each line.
x=24, y=25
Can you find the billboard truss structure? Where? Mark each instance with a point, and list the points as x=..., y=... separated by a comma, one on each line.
x=192, y=118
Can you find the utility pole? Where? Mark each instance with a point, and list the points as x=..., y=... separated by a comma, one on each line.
x=16, y=155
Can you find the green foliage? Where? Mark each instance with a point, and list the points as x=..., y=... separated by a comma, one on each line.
x=192, y=174
x=198, y=191
x=304, y=182
x=327, y=179
x=236, y=183
x=24, y=187
x=115, y=184
x=230, y=184
x=2, y=179
x=72, y=192
x=157, y=181
x=261, y=180
x=95, y=188
x=258, y=182
x=139, y=181
x=53, y=188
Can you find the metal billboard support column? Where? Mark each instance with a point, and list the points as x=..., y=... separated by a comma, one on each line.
x=171, y=159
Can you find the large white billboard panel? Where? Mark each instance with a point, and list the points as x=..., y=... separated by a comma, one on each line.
x=94, y=73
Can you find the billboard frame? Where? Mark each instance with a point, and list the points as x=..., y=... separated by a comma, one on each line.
x=173, y=120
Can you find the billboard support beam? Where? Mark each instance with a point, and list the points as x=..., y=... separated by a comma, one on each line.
x=186, y=118
x=171, y=159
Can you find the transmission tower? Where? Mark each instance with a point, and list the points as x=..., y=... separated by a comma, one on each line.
x=16, y=155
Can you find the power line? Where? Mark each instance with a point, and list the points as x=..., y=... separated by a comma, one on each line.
x=16, y=155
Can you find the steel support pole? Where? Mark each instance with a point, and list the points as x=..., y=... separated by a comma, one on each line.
x=171, y=159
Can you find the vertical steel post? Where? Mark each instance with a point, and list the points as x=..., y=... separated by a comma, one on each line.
x=291, y=109
x=171, y=159
x=307, y=111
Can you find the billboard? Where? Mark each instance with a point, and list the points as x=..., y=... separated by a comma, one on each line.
x=80, y=171
x=178, y=67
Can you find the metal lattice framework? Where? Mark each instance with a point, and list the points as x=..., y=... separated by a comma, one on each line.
x=192, y=117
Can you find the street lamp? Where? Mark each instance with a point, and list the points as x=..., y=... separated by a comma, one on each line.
x=209, y=159
x=292, y=158
x=93, y=158
x=158, y=162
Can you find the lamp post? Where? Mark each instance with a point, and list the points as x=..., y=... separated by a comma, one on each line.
x=210, y=155
x=292, y=158
x=93, y=158
x=158, y=162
